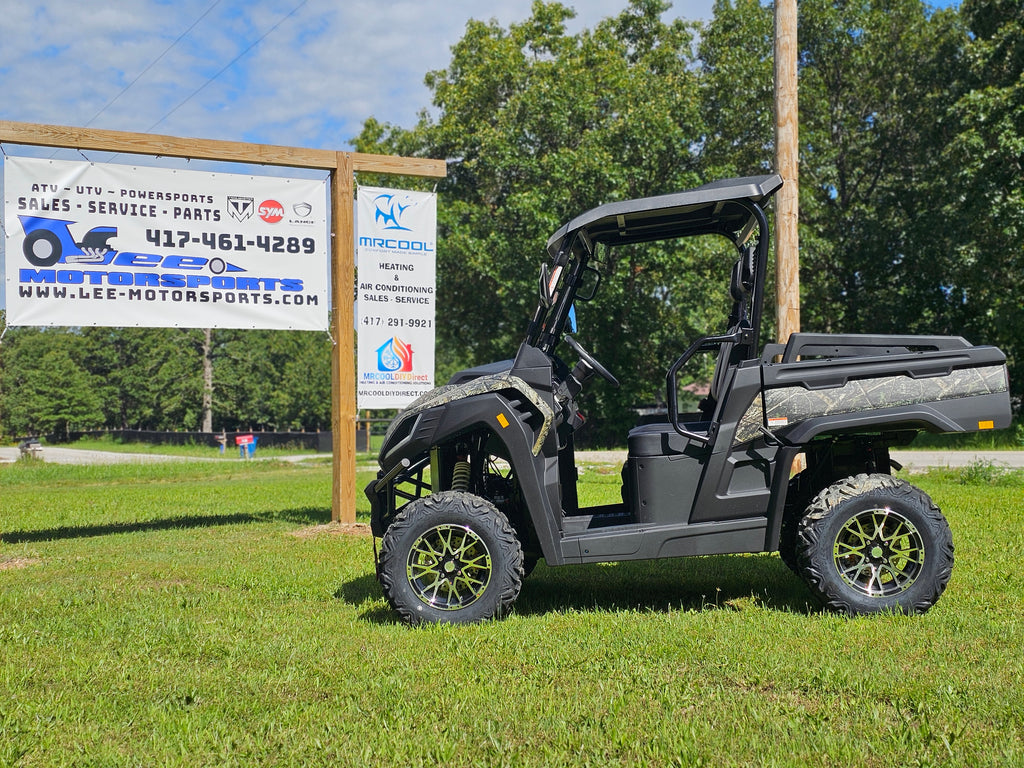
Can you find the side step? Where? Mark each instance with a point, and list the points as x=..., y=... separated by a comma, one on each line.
x=644, y=541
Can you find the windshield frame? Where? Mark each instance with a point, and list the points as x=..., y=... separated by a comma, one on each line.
x=564, y=278
x=732, y=208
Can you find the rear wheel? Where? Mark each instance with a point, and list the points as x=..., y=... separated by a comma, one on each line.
x=451, y=557
x=874, y=543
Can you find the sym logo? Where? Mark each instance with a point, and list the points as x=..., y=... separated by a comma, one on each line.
x=271, y=211
x=389, y=211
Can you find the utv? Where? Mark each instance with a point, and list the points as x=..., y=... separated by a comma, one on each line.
x=477, y=478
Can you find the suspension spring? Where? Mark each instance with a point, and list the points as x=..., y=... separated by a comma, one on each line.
x=460, y=476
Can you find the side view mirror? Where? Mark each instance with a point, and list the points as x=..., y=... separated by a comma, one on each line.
x=589, y=282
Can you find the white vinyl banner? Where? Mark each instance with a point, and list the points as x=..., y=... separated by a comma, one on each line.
x=120, y=245
x=397, y=233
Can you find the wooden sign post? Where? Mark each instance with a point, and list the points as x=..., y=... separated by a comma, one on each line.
x=787, y=200
x=342, y=167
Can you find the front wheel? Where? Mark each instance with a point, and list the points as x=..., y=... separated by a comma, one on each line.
x=450, y=557
x=874, y=543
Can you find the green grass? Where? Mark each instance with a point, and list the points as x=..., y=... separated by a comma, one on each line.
x=197, y=613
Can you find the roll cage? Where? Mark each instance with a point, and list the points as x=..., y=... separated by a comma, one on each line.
x=732, y=208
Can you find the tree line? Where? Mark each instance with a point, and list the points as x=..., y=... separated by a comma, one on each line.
x=55, y=380
x=911, y=197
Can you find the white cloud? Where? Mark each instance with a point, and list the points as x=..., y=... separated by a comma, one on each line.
x=312, y=81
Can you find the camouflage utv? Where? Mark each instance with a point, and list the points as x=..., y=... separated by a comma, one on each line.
x=477, y=478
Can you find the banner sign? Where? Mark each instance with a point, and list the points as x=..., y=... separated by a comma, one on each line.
x=397, y=234
x=119, y=245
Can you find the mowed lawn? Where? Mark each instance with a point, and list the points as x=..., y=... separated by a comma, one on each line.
x=203, y=614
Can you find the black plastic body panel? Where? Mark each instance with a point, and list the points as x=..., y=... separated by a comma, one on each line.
x=481, y=370
x=644, y=542
x=951, y=388
x=664, y=487
x=822, y=373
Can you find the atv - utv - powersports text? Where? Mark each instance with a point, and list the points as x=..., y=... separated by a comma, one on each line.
x=477, y=478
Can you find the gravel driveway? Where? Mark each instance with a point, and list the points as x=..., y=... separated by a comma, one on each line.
x=911, y=460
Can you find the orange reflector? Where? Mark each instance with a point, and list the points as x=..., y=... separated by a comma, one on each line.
x=502, y=420
x=986, y=425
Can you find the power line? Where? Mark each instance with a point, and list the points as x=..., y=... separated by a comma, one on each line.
x=153, y=63
x=227, y=66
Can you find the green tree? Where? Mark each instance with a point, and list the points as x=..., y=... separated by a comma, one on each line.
x=736, y=90
x=146, y=377
x=538, y=126
x=45, y=387
x=874, y=76
x=978, y=185
x=277, y=380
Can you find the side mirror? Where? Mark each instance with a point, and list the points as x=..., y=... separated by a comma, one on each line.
x=588, y=285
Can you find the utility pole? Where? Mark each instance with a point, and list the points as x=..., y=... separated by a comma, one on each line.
x=787, y=242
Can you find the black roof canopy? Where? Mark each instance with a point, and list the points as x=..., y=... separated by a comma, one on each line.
x=716, y=208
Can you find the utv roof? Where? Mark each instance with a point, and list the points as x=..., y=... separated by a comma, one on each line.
x=715, y=208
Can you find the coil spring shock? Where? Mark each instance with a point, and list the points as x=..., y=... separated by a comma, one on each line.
x=460, y=475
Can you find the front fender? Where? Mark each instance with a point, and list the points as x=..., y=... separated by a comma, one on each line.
x=447, y=403
x=505, y=408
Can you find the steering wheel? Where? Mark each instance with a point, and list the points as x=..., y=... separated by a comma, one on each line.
x=588, y=358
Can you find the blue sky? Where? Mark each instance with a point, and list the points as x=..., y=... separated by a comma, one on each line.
x=303, y=73
x=295, y=72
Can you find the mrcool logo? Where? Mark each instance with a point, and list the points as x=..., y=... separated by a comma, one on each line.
x=394, y=355
x=388, y=214
x=388, y=210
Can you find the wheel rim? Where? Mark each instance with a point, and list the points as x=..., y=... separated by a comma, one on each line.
x=879, y=552
x=449, y=567
x=42, y=249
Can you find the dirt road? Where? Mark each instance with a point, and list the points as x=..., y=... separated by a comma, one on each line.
x=911, y=460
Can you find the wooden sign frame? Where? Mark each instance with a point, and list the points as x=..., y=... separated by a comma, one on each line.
x=342, y=167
